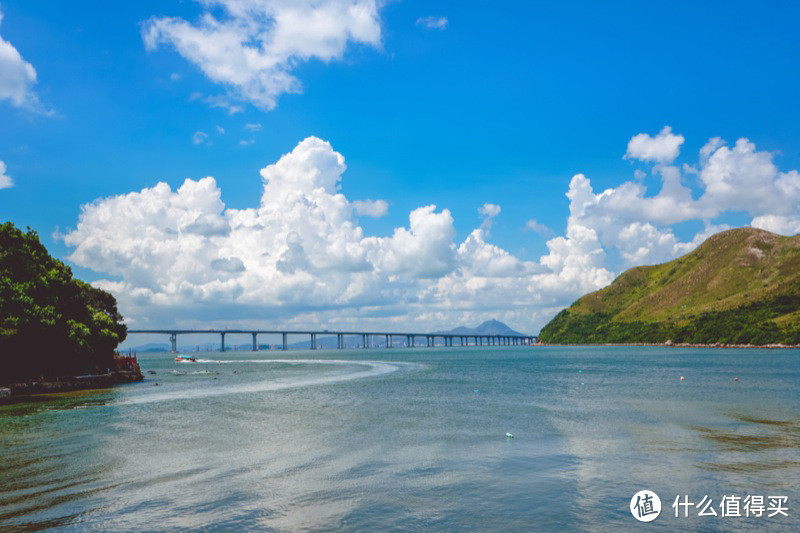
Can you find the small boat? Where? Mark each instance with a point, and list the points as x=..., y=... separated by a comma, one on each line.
x=185, y=359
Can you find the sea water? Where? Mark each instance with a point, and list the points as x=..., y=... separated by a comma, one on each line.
x=411, y=439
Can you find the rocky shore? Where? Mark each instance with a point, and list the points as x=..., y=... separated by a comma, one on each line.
x=127, y=371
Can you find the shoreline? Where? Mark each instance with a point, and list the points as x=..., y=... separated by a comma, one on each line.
x=681, y=345
x=11, y=392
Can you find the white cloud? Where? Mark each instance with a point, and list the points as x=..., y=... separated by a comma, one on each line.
x=252, y=46
x=371, y=208
x=433, y=23
x=220, y=101
x=253, y=127
x=785, y=225
x=246, y=142
x=220, y=130
x=301, y=257
x=489, y=210
x=17, y=78
x=536, y=227
x=5, y=179
x=663, y=148
x=200, y=137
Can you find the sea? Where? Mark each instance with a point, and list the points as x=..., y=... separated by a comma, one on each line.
x=425, y=439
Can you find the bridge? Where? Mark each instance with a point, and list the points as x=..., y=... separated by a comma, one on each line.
x=448, y=339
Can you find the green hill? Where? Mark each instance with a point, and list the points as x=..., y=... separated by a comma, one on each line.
x=740, y=286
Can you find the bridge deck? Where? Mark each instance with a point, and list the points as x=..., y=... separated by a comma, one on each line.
x=430, y=338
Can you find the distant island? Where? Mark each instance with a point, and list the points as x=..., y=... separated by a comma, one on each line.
x=56, y=332
x=740, y=287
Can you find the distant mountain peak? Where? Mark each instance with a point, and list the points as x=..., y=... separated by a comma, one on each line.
x=489, y=327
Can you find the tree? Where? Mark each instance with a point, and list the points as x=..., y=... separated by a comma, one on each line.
x=50, y=323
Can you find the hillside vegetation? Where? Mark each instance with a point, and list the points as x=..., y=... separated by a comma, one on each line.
x=740, y=286
x=50, y=323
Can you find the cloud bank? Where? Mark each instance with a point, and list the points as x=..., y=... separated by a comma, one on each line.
x=301, y=257
x=252, y=46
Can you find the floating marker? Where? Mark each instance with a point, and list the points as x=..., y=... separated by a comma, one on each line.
x=509, y=436
x=683, y=378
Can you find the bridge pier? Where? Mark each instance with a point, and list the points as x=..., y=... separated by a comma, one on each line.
x=173, y=339
x=285, y=344
x=255, y=342
x=364, y=340
x=339, y=341
x=222, y=334
x=388, y=341
x=313, y=341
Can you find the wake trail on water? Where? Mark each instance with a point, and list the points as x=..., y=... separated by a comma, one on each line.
x=374, y=368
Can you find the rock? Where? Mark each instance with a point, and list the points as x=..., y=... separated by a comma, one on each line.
x=151, y=372
x=5, y=393
x=668, y=343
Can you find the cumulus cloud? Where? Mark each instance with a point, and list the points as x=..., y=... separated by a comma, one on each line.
x=371, y=208
x=253, y=127
x=299, y=252
x=663, y=148
x=5, y=179
x=17, y=78
x=433, y=23
x=301, y=257
x=252, y=46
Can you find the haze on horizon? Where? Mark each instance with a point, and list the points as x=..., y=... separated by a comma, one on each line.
x=404, y=164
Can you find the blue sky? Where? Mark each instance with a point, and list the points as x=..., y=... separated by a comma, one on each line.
x=503, y=103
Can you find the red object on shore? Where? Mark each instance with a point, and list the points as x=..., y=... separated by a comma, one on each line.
x=126, y=362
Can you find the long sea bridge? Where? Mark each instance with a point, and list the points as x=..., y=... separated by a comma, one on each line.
x=448, y=339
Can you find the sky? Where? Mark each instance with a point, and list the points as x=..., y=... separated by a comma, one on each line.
x=389, y=164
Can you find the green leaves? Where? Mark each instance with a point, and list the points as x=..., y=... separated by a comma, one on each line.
x=50, y=323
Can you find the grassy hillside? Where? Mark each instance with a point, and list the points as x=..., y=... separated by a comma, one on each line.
x=740, y=286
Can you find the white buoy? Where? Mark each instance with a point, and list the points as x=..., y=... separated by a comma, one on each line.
x=509, y=436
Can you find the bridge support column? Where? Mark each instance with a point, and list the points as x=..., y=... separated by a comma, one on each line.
x=173, y=339
x=364, y=340
x=388, y=341
x=285, y=343
x=255, y=342
x=313, y=341
x=339, y=341
x=409, y=342
x=223, y=341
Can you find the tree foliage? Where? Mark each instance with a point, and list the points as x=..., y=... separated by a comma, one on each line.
x=50, y=323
